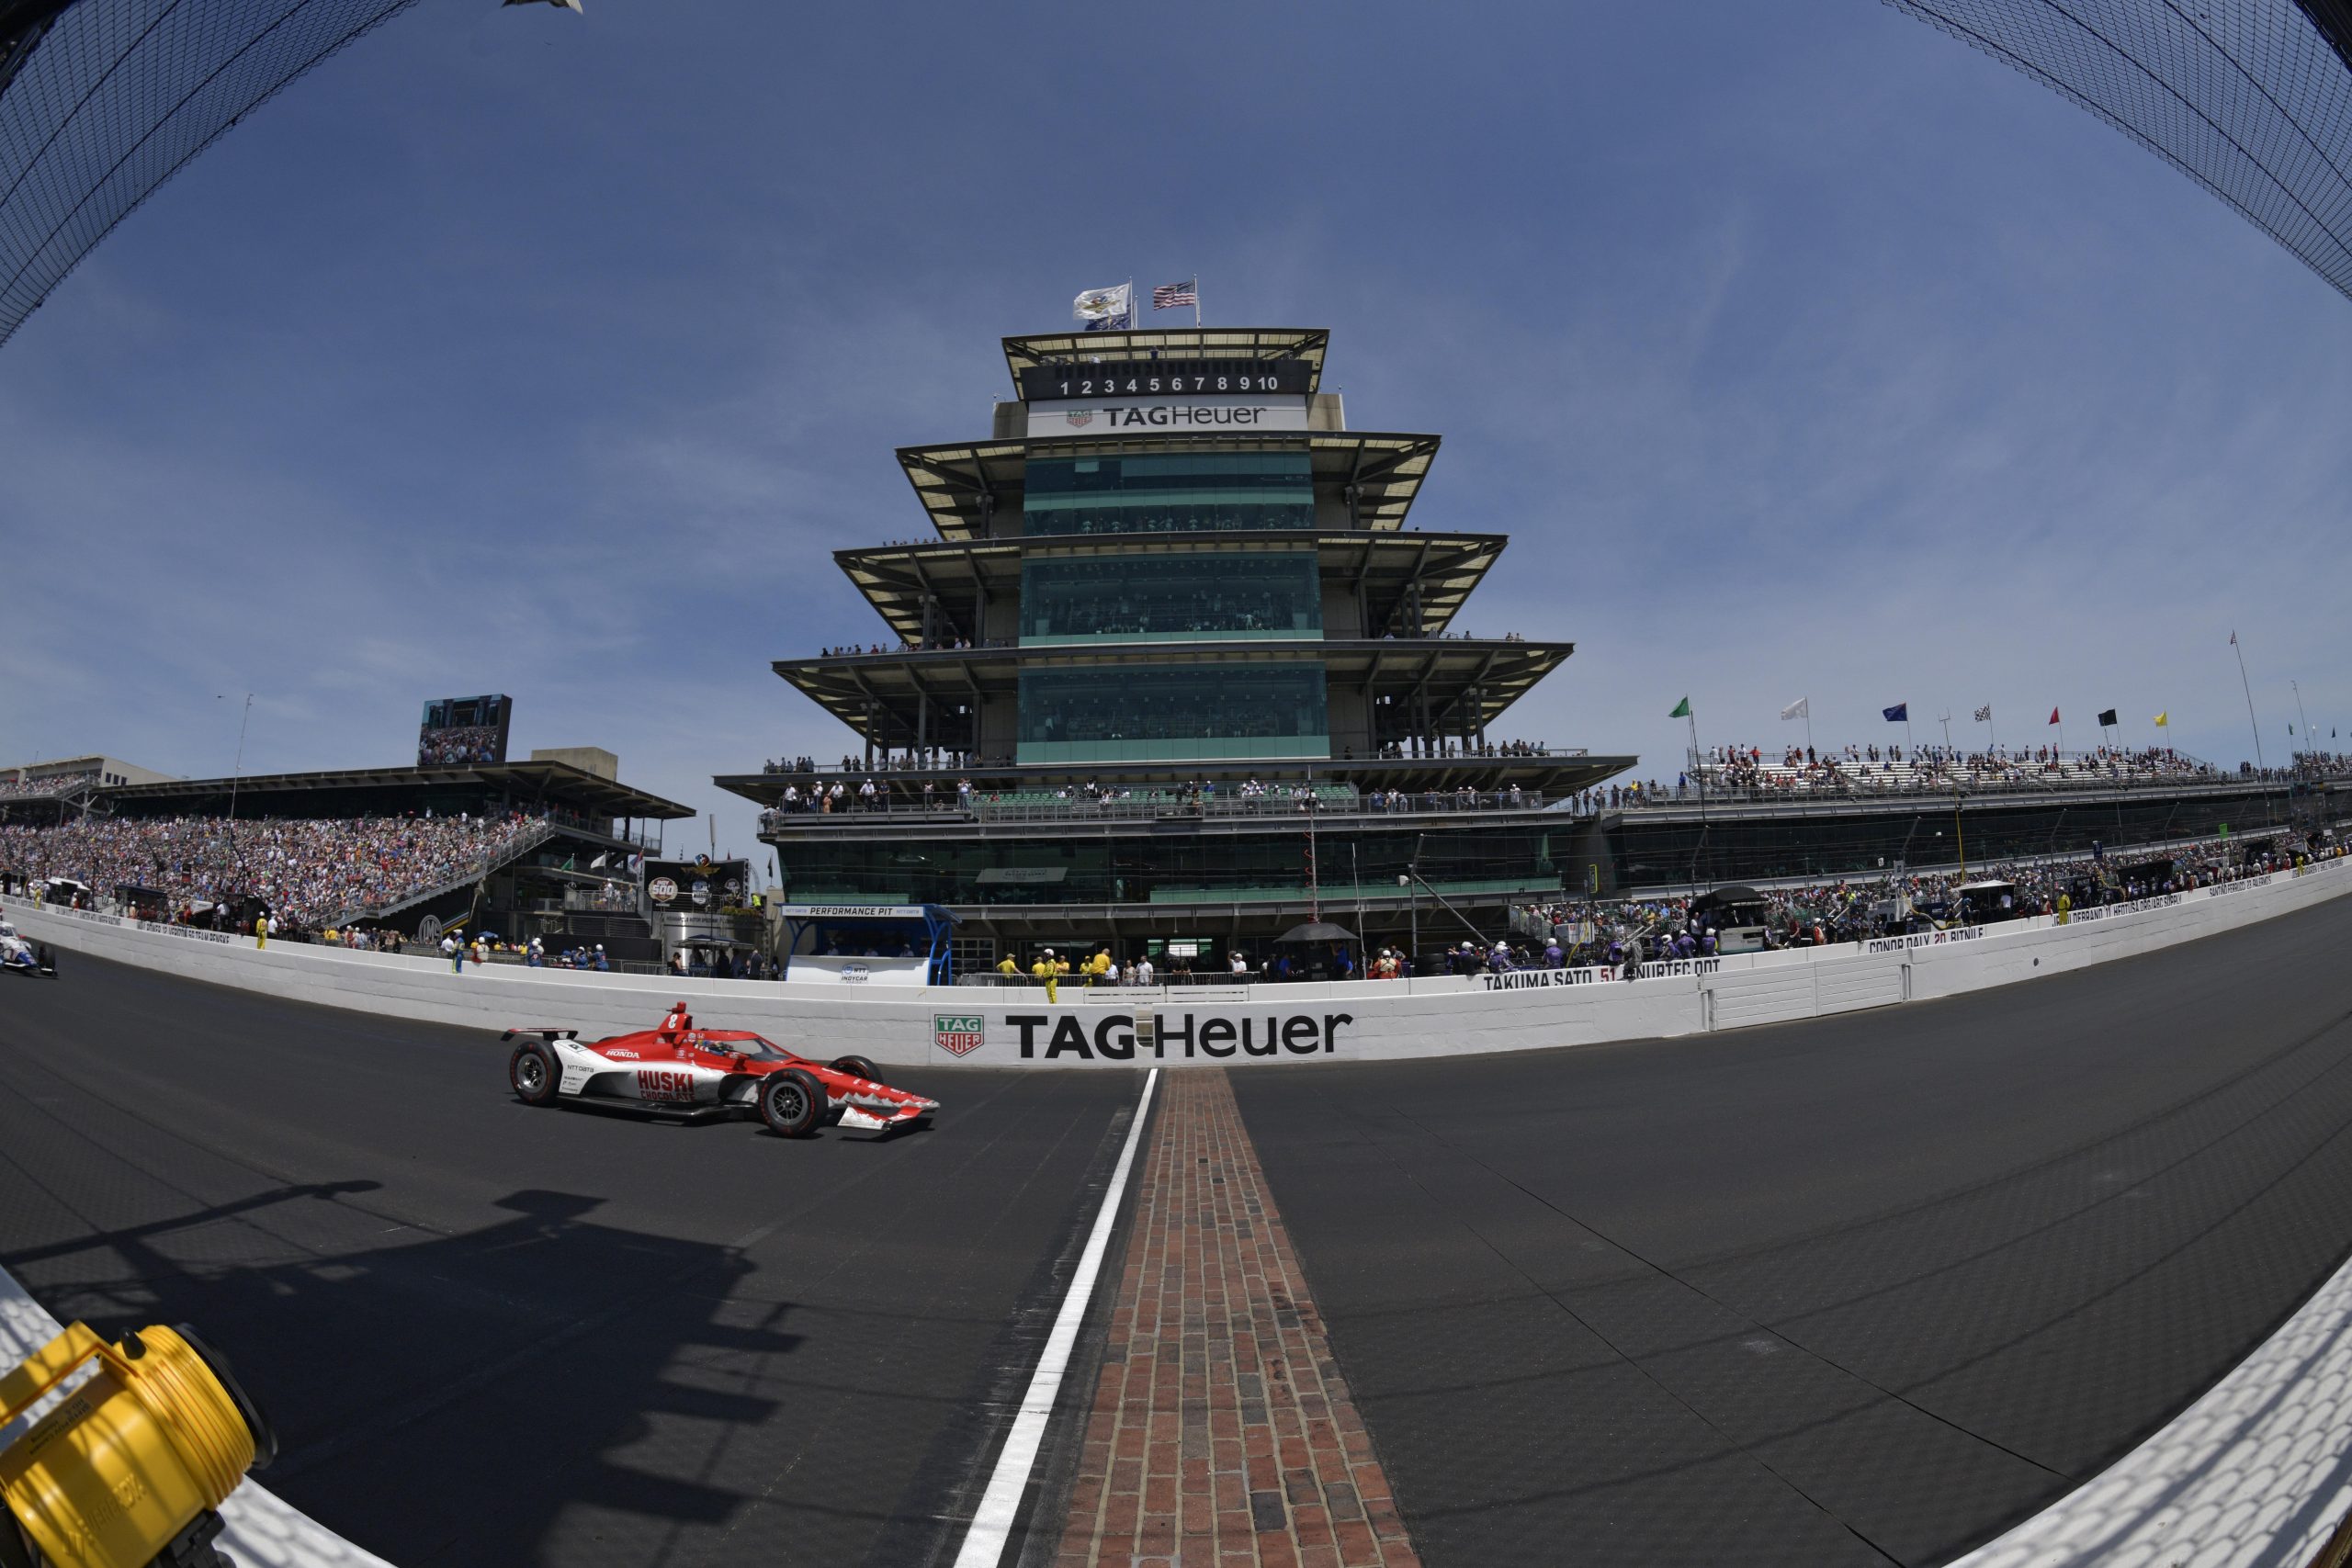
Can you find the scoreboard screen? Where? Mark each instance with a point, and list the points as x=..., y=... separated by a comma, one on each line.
x=1164, y=378
x=458, y=731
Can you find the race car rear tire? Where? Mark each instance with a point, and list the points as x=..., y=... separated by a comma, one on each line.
x=532, y=1070
x=857, y=1067
x=792, y=1103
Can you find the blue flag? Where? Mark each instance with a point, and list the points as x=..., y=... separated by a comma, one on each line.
x=1899, y=714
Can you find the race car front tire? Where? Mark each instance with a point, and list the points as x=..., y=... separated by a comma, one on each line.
x=857, y=1067
x=532, y=1072
x=792, y=1103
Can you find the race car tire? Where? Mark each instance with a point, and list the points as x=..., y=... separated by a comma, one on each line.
x=532, y=1070
x=792, y=1103
x=857, y=1067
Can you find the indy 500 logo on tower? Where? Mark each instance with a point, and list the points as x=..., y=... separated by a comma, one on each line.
x=958, y=1034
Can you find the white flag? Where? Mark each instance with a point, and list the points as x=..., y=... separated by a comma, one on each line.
x=1798, y=709
x=1106, y=309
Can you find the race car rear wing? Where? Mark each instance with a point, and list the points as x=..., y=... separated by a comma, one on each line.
x=544, y=1031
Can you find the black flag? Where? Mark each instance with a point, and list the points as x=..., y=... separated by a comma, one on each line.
x=2107, y=717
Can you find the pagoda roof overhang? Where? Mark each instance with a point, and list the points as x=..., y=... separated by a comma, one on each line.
x=1174, y=343
x=962, y=483
x=898, y=579
x=1459, y=681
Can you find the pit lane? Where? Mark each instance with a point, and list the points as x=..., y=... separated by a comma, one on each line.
x=496, y=1335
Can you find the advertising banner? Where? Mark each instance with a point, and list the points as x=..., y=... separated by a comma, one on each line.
x=834, y=970
x=1167, y=416
x=699, y=884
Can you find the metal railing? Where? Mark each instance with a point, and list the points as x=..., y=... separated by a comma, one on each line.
x=539, y=832
x=1928, y=784
x=1164, y=808
x=952, y=761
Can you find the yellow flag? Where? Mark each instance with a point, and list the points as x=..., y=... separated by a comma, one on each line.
x=2164, y=720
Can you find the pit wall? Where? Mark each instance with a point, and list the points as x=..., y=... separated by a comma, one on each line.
x=1235, y=1025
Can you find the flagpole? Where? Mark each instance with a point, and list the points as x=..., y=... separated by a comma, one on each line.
x=1700, y=769
x=2248, y=685
x=2307, y=723
x=1196, y=300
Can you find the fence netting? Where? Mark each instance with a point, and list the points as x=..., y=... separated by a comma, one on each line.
x=115, y=95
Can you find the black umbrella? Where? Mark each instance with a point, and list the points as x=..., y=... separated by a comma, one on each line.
x=1318, y=931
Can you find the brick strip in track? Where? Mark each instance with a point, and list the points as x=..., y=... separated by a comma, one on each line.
x=1222, y=1435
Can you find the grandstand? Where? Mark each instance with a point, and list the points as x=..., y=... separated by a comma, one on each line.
x=1755, y=821
x=514, y=847
x=61, y=788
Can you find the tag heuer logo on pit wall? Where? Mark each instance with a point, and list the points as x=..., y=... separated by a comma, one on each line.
x=958, y=1034
x=1079, y=420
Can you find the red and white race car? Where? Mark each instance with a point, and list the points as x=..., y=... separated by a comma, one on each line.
x=679, y=1070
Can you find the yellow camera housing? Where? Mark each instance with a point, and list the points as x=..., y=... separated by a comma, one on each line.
x=152, y=1441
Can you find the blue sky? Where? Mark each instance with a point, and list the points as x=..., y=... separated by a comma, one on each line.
x=1803, y=352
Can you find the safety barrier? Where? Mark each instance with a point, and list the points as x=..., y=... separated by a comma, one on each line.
x=1353, y=1020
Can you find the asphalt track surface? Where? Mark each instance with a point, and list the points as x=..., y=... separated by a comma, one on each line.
x=495, y=1336
x=1847, y=1291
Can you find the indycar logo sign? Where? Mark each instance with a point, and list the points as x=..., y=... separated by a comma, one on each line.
x=958, y=1034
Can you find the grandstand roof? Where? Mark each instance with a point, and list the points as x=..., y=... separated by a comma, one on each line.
x=1187, y=343
x=556, y=784
x=102, y=101
x=1462, y=680
x=961, y=483
x=895, y=579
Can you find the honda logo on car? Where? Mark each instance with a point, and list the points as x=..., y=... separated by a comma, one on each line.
x=1114, y=1036
x=658, y=1083
x=958, y=1033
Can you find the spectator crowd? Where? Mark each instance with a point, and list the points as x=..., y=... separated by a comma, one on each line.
x=1856, y=908
x=309, y=873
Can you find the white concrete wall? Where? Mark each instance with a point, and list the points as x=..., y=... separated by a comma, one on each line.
x=1235, y=1024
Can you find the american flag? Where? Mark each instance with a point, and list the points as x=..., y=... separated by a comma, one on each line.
x=1168, y=295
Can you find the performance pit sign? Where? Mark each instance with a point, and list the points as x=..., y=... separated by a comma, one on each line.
x=1241, y=414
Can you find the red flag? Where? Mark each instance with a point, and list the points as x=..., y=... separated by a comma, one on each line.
x=2053, y=715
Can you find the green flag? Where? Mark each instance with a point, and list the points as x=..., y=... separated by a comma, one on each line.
x=1682, y=709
